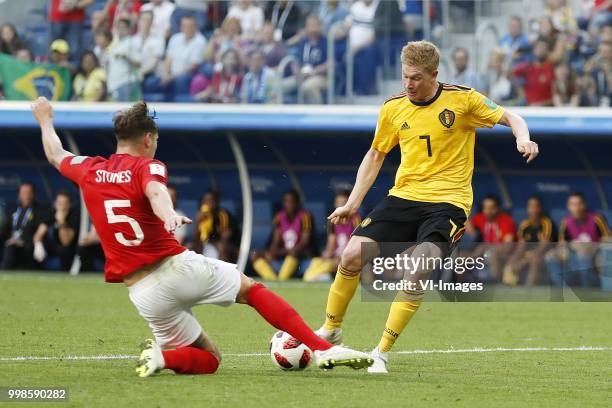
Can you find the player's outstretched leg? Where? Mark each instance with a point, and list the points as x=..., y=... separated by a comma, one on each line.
x=276, y=311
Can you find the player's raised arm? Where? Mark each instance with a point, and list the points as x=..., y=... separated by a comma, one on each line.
x=43, y=113
x=161, y=203
x=366, y=175
x=524, y=144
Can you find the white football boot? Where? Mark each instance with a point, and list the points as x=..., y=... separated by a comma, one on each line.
x=342, y=356
x=380, y=362
x=332, y=336
x=151, y=359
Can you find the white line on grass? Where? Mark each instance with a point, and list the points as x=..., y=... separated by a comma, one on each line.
x=472, y=350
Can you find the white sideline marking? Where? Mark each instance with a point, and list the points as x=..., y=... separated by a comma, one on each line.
x=472, y=350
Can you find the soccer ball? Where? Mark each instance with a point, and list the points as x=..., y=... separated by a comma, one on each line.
x=288, y=353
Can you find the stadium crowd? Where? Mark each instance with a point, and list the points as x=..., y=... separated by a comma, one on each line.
x=536, y=252
x=231, y=51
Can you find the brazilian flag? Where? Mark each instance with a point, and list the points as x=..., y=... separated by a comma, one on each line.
x=25, y=81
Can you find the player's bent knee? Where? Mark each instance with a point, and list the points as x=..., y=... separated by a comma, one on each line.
x=246, y=284
x=351, y=258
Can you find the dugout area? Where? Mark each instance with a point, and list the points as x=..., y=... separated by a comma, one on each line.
x=254, y=154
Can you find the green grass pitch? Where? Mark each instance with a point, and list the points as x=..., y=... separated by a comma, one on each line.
x=50, y=315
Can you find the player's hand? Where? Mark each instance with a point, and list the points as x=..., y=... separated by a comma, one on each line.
x=175, y=222
x=528, y=149
x=39, y=251
x=341, y=215
x=42, y=110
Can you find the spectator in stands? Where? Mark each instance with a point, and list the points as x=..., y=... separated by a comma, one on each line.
x=60, y=51
x=66, y=20
x=461, y=74
x=537, y=76
x=597, y=13
x=285, y=16
x=103, y=40
x=312, y=53
x=273, y=50
x=179, y=233
x=332, y=11
x=224, y=86
x=9, y=39
x=163, y=11
x=292, y=240
x=151, y=46
x=338, y=236
x=572, y=261
x=224, y=38
x=19, y=228
x=24, y=54
x=534, y=237
x=514, y=43
x=89, y=84
x=587, y=90
x=197, y=9
x=116, y=10
x=183, y=56
x=260, y=82
x=216, y=231
x=57, y=234
x=561, y=16
x=360, y=23
x=496, y=230
x=122, y=75
x=251, y=17
x=599, y=67
x=498, y=85
x=565, y=89
x=544, y=30
x=90, y=251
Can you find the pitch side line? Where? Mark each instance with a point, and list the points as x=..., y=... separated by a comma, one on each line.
x=472, y=350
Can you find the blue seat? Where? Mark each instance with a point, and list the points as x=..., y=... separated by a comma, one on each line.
x=318, y=211
x=261, y=234
x=557, y=214
x=230, y=206
x=518, y=215
x=262, y=213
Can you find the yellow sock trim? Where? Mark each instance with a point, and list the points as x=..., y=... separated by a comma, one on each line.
x=264, y=269
x=400, y=314
x=340, y=294
x=290, y=265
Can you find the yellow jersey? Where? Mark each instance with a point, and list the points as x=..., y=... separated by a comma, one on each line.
x=436, y=139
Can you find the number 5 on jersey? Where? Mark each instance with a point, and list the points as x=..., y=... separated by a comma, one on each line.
x=114, y=219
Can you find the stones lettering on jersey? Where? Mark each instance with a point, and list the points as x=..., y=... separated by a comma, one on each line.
x=447, y=118
x=103, y=176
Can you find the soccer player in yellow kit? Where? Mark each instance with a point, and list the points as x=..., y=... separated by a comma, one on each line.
x=434, y=125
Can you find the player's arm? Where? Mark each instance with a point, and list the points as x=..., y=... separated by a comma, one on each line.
x=161, y=203
x=366, y=175
x=39, y=249
x=524, y=144
x=52, y=145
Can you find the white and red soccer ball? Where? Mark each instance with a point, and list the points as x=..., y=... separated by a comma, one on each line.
x=288, y=353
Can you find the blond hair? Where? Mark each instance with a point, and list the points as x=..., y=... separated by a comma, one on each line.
x=422, y=54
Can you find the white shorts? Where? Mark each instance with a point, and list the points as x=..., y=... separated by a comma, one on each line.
x=165, y=297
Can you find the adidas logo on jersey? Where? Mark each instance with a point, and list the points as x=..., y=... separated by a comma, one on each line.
x=405, y=126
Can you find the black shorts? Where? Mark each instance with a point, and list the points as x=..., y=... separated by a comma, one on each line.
x=396, y=219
